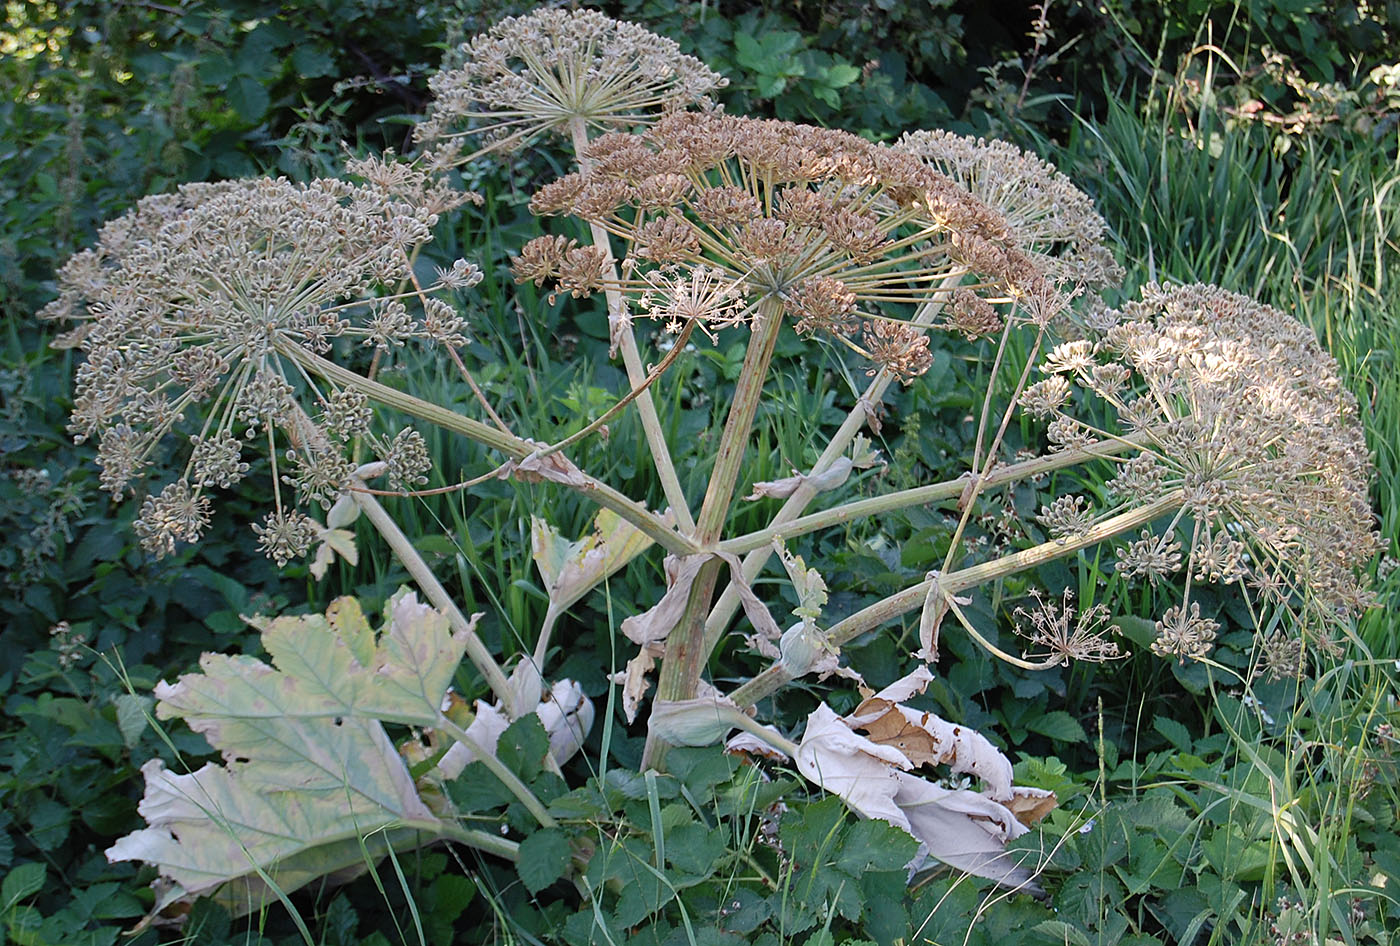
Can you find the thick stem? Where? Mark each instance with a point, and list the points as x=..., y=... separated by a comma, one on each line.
x=686, y=645
x=514, y=447
x=437, y=595
x=792, y=508
x=481, y=840
x=619, y=327
x=911, y=598
x=767, y=321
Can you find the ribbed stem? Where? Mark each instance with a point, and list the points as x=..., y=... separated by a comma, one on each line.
x=686, y=645
x=911, y=598
x=919, y=495
x=792, y=508
x=514, y=447
x=437, y=595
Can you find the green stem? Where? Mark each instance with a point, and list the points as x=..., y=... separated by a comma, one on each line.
x=514, y=447
x=481, y=840
x=775, y=677
x=686, y=645
x=632, y=361
x=792, y=508
x=919, y=495
x=767, y=321
x=437, y=595
x=494, y=765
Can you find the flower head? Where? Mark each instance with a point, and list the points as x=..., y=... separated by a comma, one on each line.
x=824, y=223
x=533, y=74
x=194, y=308
x=1067, y=633
x=1242, y=415
x=1050, y=219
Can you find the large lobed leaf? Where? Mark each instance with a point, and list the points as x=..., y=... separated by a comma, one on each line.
x=311, y=784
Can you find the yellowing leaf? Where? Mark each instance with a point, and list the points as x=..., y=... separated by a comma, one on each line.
x=311, y=784
x=572, y=569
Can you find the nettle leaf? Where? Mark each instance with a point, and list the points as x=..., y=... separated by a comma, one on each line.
x=311, y=784
x=544, y=857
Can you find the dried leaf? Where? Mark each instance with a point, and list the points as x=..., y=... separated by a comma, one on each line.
x=1029, y=805
x=571, y=569
x=655, y=623
x=634, y=678
x=830, y=478
x=925, y=739
x=554, y=467
x=965, y=829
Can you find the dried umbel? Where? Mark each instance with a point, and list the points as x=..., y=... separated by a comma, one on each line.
x=533, y=74
x=192, y=310
x=1050, y=219
x=826, y=226
x=1237, y=412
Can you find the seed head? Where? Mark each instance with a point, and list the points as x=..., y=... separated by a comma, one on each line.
x=1240, y=410
x=193, y=307
x=533, y=74
x=1050, y=219
x=826, y=223
x=1067, y=633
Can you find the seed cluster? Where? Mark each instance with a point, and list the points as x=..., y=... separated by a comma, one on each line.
x=190, y=306
x=821, y=221
x=1240, y=412
x=533, y=74
x=1053, y=221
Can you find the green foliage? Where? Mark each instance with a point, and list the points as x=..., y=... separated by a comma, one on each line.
x=1192, y=806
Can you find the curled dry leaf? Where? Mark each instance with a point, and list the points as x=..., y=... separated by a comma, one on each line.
x=962, y=828
x=830, y=478
x=571, y=569
x=925, y=739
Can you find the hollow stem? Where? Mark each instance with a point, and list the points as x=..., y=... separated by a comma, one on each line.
x=792, y=508
x=762, y=539
x=516, y=448
x=687, y=646
x=911, y=598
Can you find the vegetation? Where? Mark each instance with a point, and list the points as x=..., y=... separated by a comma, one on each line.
x=902, y=379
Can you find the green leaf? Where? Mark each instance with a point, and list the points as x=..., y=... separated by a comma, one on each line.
x=248, y=98
x=543, y=858
x=132, y=709
x=841, y=75
x=313, y=785
x=523, y=747
x=1178, y=735
x=312, y=62
x=1058, y=725
x=21, y=883
x=874, y=845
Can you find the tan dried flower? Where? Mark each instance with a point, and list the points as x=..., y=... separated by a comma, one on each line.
x=1066, y=633
x=533, y=74
x=193, y=309
x=818, y=220
x=1184, y=633
x=1243, y=414
x=1049, y=218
